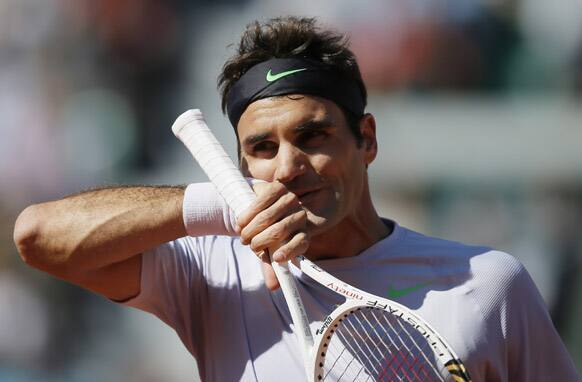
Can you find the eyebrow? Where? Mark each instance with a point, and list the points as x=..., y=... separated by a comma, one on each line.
x=256, y=138
x=312, y=125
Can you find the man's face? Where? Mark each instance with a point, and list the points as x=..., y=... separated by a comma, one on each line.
x=305, y=143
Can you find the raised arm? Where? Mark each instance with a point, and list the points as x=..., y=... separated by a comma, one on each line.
x=95, y=239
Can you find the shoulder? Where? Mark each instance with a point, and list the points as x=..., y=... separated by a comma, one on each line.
x=498, y=266
x=502, y=287
x=500, y=271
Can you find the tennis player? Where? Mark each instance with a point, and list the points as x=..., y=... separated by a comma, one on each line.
x=295, y=97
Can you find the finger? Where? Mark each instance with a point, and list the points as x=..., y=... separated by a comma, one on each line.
x=279, y=233
x=269, y=274
x=297, y=246
x=268, y=194
x=259, y=185
x=285, y=205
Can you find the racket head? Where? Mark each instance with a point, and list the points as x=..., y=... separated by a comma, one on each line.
x=381, y=341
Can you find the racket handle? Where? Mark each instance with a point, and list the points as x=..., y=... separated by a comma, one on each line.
x=192, y=130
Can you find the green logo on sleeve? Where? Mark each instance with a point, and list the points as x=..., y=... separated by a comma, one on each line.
x=400, y=292
x=274, y=77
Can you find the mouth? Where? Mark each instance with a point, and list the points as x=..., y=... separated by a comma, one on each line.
x=307, y=195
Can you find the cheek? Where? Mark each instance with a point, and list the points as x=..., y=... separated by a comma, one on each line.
x=258, y=169
x=325, y=166
x=335, y=172
x=347, y=175
x=339, y=165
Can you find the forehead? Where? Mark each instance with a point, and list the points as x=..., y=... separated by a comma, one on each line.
x=287, y=112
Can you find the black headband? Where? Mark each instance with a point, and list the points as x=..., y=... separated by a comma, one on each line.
x=281, y=76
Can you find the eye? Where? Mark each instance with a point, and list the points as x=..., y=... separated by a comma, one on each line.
x=264, y=149
x=313, y=138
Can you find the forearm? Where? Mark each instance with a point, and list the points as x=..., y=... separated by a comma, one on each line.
x=94, y=229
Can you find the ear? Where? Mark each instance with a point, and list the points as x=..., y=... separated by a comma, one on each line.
x=369, y=142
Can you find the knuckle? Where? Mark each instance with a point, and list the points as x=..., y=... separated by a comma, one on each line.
x=243, y=219
x=256, y=246
x=278, y=232
x=264, y=220
x=245, y=235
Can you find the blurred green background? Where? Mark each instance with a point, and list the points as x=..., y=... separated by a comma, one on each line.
x=478, y=105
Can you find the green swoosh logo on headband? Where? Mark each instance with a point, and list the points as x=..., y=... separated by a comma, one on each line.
x=274, y=77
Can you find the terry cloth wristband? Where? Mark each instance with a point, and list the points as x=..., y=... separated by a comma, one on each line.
x=281, y=76
x=205, y=212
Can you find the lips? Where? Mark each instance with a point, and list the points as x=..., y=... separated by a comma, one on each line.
x=305, y=195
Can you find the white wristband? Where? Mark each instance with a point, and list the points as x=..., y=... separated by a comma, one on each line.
x=205, y=212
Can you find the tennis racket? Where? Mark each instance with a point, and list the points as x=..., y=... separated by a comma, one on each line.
x=367, y=338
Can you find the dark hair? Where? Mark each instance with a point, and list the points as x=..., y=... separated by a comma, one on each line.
x=286, y=37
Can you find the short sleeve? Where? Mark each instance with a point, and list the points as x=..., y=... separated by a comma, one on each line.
x=173, y=287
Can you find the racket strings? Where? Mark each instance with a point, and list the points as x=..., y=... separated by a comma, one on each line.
x=392, y=365
x=413, y=337
x=374, y=345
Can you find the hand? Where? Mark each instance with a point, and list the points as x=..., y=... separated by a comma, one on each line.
x=275, y=222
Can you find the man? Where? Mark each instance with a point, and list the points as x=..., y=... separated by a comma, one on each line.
x=295, y=97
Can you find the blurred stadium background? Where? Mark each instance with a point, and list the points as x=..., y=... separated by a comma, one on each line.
x=479, y=108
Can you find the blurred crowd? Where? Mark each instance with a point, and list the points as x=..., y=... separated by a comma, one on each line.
x=89, y=89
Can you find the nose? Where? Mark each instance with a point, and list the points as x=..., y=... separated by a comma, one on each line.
x=291, y=162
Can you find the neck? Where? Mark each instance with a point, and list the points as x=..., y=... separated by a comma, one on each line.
x=351, y=236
